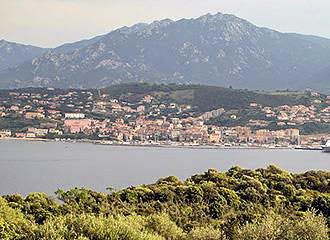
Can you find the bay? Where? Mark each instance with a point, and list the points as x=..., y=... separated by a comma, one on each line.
x=28, y=166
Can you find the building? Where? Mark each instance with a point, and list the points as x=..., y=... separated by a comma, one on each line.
x=14, y=108
x=21, y=135
x=55, y=131
x=76, y=126
x=148, y=99
x=74, y=115
x=140, y=109
x=214, y=137
x=30, y=135
x=292, y=133
x=40, y=132
x=48, y=125
x=5, y=133
x=34, y=115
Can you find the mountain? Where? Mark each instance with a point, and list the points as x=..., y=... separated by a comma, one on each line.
x=218, y=49
x=68, y=47
x=13, y=54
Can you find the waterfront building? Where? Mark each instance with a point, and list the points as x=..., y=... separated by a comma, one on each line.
x=5, y=133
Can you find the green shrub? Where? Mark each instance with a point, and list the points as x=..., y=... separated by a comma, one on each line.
x=84, y=226
x=13, y=224
x=162, y=225
x=276, y=227
x=205, y=233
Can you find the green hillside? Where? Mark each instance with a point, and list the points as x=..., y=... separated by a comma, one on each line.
x=208, y=97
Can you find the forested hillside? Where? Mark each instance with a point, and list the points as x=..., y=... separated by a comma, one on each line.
x=237, y=204
x=205, y=97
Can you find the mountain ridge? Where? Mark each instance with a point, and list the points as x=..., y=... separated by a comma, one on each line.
x=12, y=54
x=219, y=49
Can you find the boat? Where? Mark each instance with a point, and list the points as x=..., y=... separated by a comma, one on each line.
x=104, y=143
x=326, y=147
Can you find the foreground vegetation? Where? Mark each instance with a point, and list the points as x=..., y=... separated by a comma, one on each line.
x=238, y=204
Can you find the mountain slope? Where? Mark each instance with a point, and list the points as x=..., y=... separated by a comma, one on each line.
x=216, y=49
x=13, y=54
x=69, y=47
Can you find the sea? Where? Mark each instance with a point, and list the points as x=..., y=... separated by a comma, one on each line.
x=31, y=166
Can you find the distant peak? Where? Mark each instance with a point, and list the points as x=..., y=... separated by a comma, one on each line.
x=218, y=16
x=211, y=17
x=162, y=23
x=139, y=25
x=229, y=20
x=145, y=26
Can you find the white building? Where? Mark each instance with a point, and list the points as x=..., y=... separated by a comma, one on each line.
x=74, y=115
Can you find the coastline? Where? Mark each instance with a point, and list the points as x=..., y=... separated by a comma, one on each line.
x=170, y=146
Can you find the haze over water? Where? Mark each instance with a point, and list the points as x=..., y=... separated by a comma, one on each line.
x=47, y=166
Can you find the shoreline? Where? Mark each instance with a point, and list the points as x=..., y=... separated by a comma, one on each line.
x=211, y=147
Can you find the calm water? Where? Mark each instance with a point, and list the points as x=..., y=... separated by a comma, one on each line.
x=44, y=167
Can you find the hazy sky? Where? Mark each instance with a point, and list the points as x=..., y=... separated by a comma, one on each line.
x=49, y=23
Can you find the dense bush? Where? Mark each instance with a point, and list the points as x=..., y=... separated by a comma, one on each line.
x=275, y=227
x=238, y=204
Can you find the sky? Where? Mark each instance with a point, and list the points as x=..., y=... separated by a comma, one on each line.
x=50, y=23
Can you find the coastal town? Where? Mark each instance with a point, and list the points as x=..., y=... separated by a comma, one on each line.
x=148, y=119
